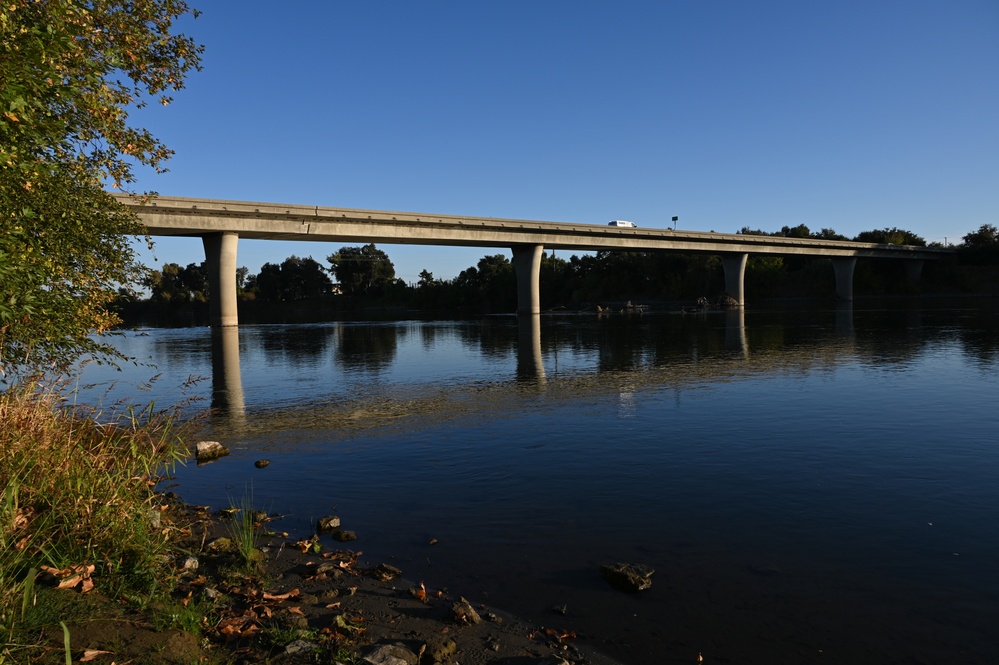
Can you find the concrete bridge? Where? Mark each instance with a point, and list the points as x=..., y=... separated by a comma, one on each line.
x=220, y=224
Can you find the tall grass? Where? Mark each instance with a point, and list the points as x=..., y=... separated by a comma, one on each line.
x=77, y=488
x=242, y=529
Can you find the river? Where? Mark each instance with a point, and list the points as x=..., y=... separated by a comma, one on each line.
x=810, y=483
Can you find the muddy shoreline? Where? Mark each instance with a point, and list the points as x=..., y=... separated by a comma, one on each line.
x=303, y=601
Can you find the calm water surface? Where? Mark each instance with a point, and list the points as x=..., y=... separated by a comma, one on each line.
x=811, y=485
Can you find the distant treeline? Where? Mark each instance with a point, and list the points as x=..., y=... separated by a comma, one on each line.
x=364, y=277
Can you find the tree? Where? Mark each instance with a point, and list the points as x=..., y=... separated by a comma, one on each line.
x=362, y=270
x=267, y=283
x=986, y=237
x=982, y=246
x=303, y=278
x=175, y=284
x=242, y=273
x=892, y=236
x=426, y=280
x=71, y=71
x=799, y=231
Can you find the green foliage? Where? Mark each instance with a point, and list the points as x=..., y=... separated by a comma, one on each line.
x=363, y=270
x=63, y=253
x=491, y=285
x=175, y=284
x=71, y=71
x=981, y=247
x=892, y=236
x=242, y=529
x=800, y=231
x=294, y=279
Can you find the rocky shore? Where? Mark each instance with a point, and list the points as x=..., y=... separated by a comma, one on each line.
x=288, y=601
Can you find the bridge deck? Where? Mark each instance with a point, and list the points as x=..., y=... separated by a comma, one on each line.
x=177, y=216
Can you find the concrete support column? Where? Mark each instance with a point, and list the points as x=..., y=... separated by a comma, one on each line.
x=843, y=267
x=914, y=269
x=527, y=264
x=220, y=254
x=734, y=266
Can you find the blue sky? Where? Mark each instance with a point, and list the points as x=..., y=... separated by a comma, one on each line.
x=844, y=115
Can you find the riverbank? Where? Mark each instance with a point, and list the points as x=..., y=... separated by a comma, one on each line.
x=289, y=602
x=96, y=566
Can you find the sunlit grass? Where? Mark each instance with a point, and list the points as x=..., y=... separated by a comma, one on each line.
x=77, y=491
x=242, y=529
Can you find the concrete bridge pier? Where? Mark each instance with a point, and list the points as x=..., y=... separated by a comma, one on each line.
x=220, y=255
x=527, y=265
x=843, y=267
x=914, y=269
x=734, y=266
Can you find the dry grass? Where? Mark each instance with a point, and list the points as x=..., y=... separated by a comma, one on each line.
x=77, y=491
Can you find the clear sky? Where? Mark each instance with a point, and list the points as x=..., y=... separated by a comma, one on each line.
x=850, y=115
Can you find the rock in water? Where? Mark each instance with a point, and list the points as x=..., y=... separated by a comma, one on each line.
x=328, y=524
x=206, y=451
x=628, y=577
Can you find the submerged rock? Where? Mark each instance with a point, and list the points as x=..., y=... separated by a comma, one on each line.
x=628, y=577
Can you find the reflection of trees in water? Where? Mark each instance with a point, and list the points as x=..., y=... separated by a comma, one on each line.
x=428, y=335
x=296, y=343
x=183, y=348
x=871, y=334
x=494, y=338
x=368, y=347
x=622, y=342
x=982, y=345
x=979, y=336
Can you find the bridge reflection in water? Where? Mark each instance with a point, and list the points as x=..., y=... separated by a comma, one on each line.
x=227, y=383
x=530, y=365
x=229, y=400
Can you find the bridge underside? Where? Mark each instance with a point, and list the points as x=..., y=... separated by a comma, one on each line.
x=220, y=254
x=221, y=223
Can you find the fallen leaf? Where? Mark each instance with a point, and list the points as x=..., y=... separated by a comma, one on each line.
x=70, y=582
x=90, y=654
x=560, y=634
x=280, y=596
x=344, y=624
